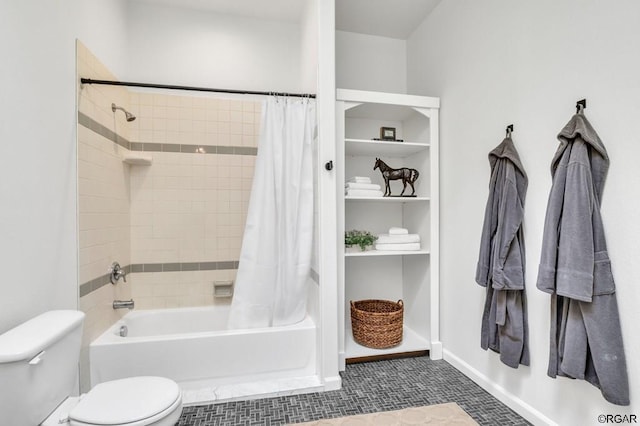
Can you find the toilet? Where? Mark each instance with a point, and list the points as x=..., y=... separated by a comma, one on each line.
x=39, y=371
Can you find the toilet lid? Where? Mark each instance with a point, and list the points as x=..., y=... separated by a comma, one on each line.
x=126, y=400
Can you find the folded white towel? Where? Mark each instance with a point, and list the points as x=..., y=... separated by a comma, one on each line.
x=398, y=231
x=370, y=186
x=395, y=239
x=360, y=179
x=362, y=193
x=398, y=247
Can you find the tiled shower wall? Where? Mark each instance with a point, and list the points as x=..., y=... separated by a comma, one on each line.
x=176, y=225
x=188, y=209
x=103, y=200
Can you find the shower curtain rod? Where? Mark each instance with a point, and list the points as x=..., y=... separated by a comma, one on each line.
x=195, y=89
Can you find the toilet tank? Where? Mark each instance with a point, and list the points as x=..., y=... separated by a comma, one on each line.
x=39, y=366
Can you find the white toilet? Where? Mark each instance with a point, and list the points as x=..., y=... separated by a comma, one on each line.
x=39, y=370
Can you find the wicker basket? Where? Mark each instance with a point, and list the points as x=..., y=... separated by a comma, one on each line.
x=377, y=323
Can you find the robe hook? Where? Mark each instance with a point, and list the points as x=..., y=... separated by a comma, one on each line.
x=581, y=105
x=509, y=130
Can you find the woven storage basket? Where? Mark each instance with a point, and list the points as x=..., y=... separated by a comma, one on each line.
x=377, y=323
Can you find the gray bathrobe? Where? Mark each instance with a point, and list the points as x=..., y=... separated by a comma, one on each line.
x=586, y=340
x=501, y=264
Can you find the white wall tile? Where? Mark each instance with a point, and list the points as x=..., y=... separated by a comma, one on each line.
x=190, y=207
x=103, y=194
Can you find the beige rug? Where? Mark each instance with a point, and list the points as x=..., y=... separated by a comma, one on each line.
x=441, y=414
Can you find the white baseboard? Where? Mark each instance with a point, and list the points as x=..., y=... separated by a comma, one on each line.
x=342, y=361
x=332, y=383
x=516, y=404
x=435, y=352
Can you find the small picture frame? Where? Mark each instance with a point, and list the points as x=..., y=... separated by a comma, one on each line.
x=388, y=133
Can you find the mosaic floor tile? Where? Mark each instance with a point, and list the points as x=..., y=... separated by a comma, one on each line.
x=366, y=388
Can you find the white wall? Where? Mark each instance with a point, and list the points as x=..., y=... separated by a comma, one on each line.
x=498, y=62
x=309, y=47
x=367, y=62
x=38, y=235
x=181, y=46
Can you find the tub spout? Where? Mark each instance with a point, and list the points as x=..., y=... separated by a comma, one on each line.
x=121, y=304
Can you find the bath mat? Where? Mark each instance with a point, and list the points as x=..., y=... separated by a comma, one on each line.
x=440, y=414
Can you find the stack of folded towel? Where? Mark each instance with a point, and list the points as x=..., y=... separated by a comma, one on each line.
x=361, y=186
x=398, y=239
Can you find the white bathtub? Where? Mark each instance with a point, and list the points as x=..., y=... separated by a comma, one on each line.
x=193, y=347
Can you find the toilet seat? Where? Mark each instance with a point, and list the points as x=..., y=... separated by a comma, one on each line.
x=134, y=401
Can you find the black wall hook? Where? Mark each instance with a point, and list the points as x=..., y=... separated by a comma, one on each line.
x=581, y=103
x=509, y=129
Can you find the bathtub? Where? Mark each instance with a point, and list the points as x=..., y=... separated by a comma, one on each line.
x=193, y=347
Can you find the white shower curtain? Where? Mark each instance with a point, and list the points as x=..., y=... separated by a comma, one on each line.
x=275, y=259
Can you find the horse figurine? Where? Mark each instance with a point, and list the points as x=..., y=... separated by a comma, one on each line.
x=406, y=174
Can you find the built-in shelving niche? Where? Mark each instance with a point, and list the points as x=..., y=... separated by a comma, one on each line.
x=409, y=276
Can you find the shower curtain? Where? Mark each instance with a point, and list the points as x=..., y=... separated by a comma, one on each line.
x=275, y=258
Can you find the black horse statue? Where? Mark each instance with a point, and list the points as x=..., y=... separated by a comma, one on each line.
x=406, y=174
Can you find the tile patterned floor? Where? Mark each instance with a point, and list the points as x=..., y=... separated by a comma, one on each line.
x=366, y=388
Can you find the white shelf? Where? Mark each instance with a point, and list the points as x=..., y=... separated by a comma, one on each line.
x=371, y=253
x=388, y=199
x=411, y=342
x=136, y=159
x=382, y=101
x=364, y=147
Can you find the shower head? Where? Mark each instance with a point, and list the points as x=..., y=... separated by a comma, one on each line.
x=128, y=115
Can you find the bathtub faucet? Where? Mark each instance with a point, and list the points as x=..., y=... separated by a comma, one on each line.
x=121, y=304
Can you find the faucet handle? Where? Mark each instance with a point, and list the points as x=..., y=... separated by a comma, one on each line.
x=116, y=272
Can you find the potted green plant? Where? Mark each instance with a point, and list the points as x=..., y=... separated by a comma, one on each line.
x=362, y=239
